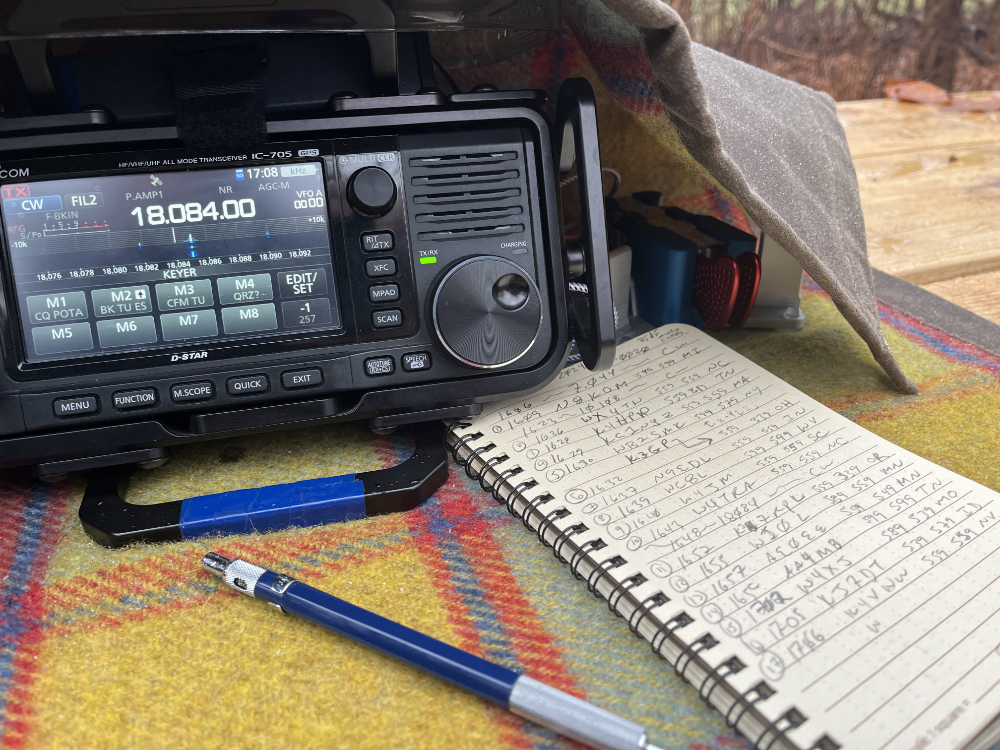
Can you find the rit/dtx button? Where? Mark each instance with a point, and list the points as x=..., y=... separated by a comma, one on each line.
x=75, y=406
x=387, y=318
x=135, y=399
x=245, y=385
x=377, y=242
x=301, y=378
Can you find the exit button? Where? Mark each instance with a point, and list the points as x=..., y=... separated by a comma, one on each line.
x=301, y=378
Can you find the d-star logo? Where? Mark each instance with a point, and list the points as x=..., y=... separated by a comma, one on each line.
x=188, y=356
x=16, y=191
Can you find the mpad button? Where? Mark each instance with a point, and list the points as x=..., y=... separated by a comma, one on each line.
x=246, y=385
x=135, y=399
x=301, y=378
x=379, y=366
x=75, y=406
x=383, y=292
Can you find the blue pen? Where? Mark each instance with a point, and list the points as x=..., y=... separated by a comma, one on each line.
x=528, y=698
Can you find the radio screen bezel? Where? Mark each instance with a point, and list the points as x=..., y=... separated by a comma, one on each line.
x=97, y=165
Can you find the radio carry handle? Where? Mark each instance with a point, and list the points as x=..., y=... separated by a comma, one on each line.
x=591, y=306
x=111, y=521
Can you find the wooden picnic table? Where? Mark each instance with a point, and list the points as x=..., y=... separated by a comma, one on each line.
x=930, y=190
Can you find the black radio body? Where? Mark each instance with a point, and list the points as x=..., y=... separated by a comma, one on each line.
x=398, y=261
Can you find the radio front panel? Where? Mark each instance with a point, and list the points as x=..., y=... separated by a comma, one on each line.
x=166, y=287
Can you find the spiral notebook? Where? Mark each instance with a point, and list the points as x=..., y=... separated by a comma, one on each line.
x=818, y=585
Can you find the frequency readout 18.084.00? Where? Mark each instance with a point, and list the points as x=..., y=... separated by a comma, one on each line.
x=189, y=213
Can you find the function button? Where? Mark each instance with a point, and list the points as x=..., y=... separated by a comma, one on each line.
x=135, y=399
x=302, y=283
x=203, y=389
x=124, y=300
x=302, y=378
x=380, y=267
x=415, y=361
x=383, y=293
x=57, y=308
x=236, y=290
x=249, y=318
x=307, y=312
x=245, y=385
x=377, y=242
x=189, y=325
x=71, y=337
x=376, y=366
x=126, y=331
x=75, y=406
x=387, y=318
x=183, y=295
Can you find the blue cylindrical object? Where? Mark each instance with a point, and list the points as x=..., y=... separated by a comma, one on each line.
x=483, y=678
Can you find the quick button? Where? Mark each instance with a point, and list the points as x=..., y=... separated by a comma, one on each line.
x=245, y=385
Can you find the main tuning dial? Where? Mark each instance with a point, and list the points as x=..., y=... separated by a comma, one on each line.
x=487, y=312
x=371, y=192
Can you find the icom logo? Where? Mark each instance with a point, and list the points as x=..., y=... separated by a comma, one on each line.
x=188, y=356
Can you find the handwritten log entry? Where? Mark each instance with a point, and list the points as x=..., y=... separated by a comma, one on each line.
x=860, y=580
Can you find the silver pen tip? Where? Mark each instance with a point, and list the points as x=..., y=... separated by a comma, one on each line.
x=215, y=564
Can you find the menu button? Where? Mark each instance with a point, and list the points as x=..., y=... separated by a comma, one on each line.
x=75, y=406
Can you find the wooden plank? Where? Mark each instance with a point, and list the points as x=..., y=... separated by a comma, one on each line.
x=979, y=294
x=882, y=126
x=929, y=183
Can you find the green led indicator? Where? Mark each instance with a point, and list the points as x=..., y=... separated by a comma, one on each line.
x=428, y=260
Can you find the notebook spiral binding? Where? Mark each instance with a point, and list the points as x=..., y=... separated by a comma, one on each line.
x=739, y=709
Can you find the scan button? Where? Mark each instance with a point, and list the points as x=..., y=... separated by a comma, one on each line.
x=135, y=399
x=246, y=385
x=75, y=406
x=181, y=392
x=387, y=318
x=302, y=378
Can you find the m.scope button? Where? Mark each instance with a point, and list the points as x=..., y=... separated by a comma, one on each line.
x=376, y=366
x=135, y=399
x=246, y=385
x=76, y=406
x=377, y=242
x=380, y=267
x=181, y=392
x=301, y=378
x=387, y=318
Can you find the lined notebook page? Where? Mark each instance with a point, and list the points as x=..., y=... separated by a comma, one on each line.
x=861, y=581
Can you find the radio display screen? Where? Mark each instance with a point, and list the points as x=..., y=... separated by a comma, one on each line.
x=124, y=263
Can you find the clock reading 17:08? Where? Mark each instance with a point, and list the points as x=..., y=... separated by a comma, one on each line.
x=188, y=213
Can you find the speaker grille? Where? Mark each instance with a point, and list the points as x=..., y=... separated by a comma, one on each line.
x=465, y=194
